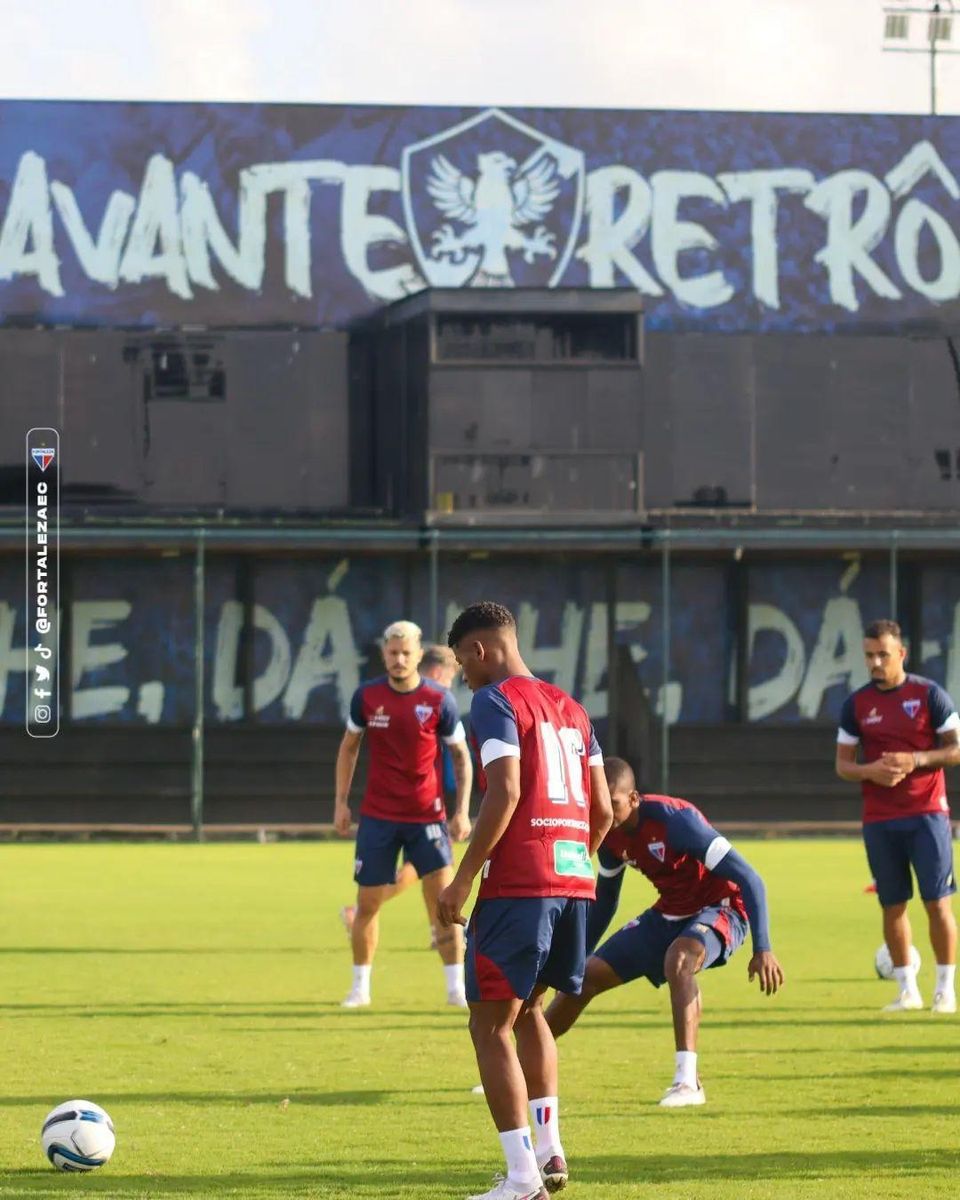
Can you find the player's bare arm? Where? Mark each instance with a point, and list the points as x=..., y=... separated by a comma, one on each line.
x=463, y=774
x=347, y=755
x=601, y=808
x=947, y=754
x=881, y=772
x=499, y=803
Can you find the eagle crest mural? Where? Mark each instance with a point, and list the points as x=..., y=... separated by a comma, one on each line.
x=492, y=202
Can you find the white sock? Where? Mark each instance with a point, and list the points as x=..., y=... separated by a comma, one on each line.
x=945, y=978
x=906, y=977
x=522, y=1170
x=545, y=1119
x=686, y=1071
x=361, y=979
x=454, y=976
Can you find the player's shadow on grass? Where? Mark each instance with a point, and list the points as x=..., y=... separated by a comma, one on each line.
x=900, y=1111
x=244, y=1099
x=670, y=1169
x=856, y=1018
x=380, y=1177
x=204, y=950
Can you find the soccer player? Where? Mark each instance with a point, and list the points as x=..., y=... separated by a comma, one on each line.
x=708, y=893
x=438, y=664
x=906, y=729
x=544, y=812
x=402, y=809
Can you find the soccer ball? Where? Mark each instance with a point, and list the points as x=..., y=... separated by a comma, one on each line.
x=78, y=1136
x=884, y=963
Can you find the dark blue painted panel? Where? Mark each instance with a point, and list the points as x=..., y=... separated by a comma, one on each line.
x=117, y=213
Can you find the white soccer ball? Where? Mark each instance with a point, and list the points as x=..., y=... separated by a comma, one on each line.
x=78, y=1136
x=884, y=963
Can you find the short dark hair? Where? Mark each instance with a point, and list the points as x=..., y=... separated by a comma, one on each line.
x=882, y=626
x=619, y=773
x=485, y=614
x=438, y=656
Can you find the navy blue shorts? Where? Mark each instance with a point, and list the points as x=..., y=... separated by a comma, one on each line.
x=515, y=943
x=925, y=843
x=639, y=948
x=380, y=843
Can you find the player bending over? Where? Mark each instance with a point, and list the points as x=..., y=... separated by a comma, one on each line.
x=708, y=892
x=544, y=812
x=402, y=810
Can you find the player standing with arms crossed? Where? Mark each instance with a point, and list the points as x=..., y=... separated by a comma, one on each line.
x=545, y=810
x=907, y=728
x=402, y=808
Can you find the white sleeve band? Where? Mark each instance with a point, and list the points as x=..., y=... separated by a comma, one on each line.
x=716, y=852
x=950, y=724
x=493, y=748
x=595, y=760
x=458, y=735
x=352, y=727
x=611, y=872
x=846, y=739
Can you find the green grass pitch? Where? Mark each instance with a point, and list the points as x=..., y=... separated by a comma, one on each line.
x=194, y=991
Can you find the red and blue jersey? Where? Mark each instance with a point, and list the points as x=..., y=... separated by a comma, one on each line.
x=403, y=780
x=545, y=850
x=675, y=846
x=904, y=718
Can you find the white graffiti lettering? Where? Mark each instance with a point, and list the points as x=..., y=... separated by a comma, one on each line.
x=632, y=230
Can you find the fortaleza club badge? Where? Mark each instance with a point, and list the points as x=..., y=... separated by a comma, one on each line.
x=43, y=457
x=911, y=708
x=492, y=202
x=423, y=711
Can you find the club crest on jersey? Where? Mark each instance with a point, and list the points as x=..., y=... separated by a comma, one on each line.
x=658, y=850
x=492, y=202
x=872, y=717
x=911, y=708
x=423, y=711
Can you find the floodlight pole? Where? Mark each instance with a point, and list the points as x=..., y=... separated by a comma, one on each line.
x=932, y=12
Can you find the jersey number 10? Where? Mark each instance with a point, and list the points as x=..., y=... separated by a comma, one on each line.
x=563, y=751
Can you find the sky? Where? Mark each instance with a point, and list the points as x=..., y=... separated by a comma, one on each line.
x=773, y=55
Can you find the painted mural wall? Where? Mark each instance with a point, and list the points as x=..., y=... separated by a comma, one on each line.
x=131, y=632
x=146, y=214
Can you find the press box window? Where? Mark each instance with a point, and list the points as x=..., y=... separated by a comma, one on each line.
x=600, y=338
